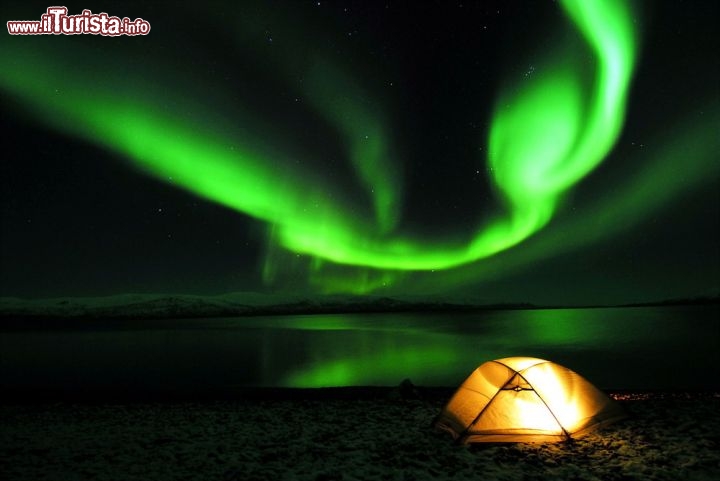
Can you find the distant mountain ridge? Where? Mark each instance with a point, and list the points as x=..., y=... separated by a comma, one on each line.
x=161, y=306
x=188, y=306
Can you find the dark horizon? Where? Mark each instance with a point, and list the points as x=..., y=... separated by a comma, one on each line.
x=28, y=313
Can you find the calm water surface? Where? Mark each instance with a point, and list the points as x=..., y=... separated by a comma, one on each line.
x=625, y=348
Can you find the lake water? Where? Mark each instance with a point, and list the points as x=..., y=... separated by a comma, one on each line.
x=616, y=348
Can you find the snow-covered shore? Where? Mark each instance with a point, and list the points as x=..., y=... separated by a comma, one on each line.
x=341, y=438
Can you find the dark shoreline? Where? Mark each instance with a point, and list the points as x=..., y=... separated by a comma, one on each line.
x=173, y=308
x=235, y=394
x=133, y=395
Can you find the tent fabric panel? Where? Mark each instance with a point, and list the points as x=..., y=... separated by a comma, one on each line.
x=519, y=364
x=512, y=438
x=489, y=377
x=517, y=382
x=462, y=409
x=573, y=400
x=597, y=422
x=519, y=412
x=473, y=395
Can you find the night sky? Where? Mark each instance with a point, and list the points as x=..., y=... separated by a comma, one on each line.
x=491, y=151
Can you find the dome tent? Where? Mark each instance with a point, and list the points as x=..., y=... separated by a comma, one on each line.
x=524, y=399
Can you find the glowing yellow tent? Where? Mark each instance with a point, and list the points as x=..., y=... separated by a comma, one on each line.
x=524, y=399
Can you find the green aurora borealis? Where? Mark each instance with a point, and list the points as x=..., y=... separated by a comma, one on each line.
x=546, y=134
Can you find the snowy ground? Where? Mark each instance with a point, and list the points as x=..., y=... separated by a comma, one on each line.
x=666, y=438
